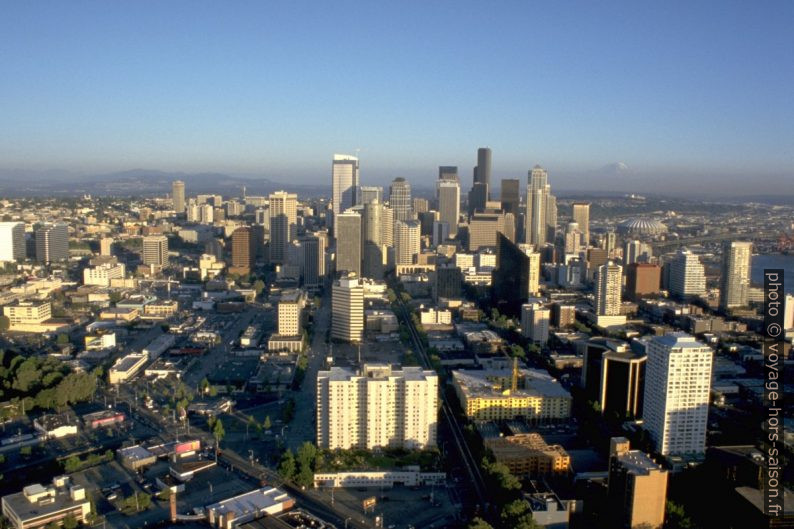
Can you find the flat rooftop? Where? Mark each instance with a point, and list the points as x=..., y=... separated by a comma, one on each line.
x=638, y=462
x=251, y=502
x=26, y=510
x=481, y=383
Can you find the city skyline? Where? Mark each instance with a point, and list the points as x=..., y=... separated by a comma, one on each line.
x=239, y=93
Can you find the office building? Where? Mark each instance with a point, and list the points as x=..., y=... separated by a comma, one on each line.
x=643, y=279
x=12, y=241
x=290, y=305
x=613, y=376
x=448, y=282
x=551, y=218
x=178, y=196
x=574, y=239
x=563, y=315
x=52, y=243
x=155, y=250
x=371, y=239
x=243, y=251
x=408, y=242
x=348, y=242
x=369, y=193
x=347, y=309
x=478, y=197
x=535, y=318
x=283, y=224
x=580, y=212
x=527, y=455
x=687, y=276
x=238, y=511
x=609, y=282
x=38, y=506
x=344, y=182
x=439, y=233
x=448, y=191
x=105, y=246
x=27, y=313
x=511, y=195
x=448, y=172
x=387, y=226
x=538, y=190
x=377, y=407
x=312, y=260
x=637, y=488
x=483, y=229
x=420, y=205
x=101, y=275
x=400, y=199
x=516, y=276
x=735, y=274
x=426, y=221
x=676, y=400
x=635, y=251
x=483, y=171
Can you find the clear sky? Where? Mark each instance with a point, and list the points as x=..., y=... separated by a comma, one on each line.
x=275, y=88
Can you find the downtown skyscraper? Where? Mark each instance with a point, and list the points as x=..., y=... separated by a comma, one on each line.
x=539, y=207
x=448, y=192
x=283, y=224
x=344, y=182
x=400, y=199
x=178, y=196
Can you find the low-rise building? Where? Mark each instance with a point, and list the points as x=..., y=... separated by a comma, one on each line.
x=103, y=274
x=103, y=418
x=409, y=476
x=56, y=426
x=241, y=509
x=38, y=506
x=501, y=394
x=136, y=457
x=161, y=309
x=126, y=368
x=527, y=454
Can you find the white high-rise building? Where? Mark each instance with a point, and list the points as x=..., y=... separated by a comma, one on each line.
x=178, y=196
x=52, y=243
x=580, y=211
x=103, y=274
x=449, y=204
x=378, y=407
x=609, y=281
x=12, y=241
x=155, y=250
x=283, y=224
x=367, y=194
x=344, y=182
x=735, y=274
x=535, y=320
x=687, y=276
x=677, y=387
x=347, y=309
x=538, y=190
x=408, y=243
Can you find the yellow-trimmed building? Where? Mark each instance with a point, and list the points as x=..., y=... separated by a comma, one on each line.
x=502, y=394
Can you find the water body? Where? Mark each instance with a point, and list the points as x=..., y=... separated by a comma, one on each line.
x=785, y=262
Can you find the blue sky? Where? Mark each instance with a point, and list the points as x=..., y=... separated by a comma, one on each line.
x=274, y=89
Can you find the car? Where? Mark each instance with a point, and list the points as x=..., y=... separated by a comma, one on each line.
x=112, y=496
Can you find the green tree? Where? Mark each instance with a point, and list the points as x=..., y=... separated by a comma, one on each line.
x=516, y=351
x=62, y=339
x=479, y=523
x=5, y=323
x=70, y=522
x=518, y=515
x=259, y=286
x=267, y=425
x=676, y=517
x=287, y=466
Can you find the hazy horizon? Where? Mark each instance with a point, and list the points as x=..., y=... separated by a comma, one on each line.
x=699, y=102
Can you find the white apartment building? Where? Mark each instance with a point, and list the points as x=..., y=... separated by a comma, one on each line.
x=52, y=243
x=687, y=276
x=12, y=241
x=609, y=282
x=377, y=407
x=676, y=400
x=101, y=275
x=347, y=309
x=408, y=240
x=535, y=320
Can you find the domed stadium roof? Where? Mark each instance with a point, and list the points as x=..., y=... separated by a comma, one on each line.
x=641, y=226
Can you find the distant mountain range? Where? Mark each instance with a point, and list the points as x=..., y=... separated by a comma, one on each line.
x=141, y=182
